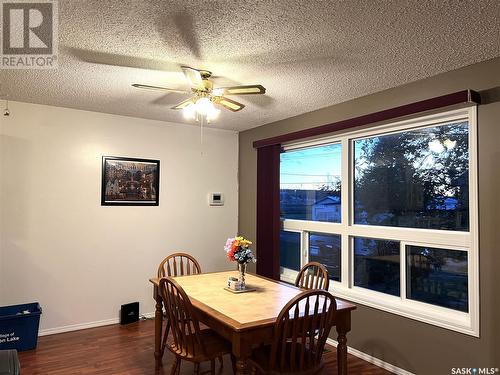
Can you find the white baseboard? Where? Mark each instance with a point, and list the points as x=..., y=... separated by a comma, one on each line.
x=80, y=326
x=373, y=360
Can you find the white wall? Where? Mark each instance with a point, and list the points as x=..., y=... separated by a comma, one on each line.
x=80, y=260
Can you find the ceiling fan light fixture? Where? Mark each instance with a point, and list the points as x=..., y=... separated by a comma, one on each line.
x=213, y=113
x=218, y=92
x=189, y=112
x=203, y=107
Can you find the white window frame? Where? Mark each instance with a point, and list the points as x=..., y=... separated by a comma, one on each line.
x=467, y=323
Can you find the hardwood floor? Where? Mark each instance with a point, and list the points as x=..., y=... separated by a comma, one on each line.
x=128, y=350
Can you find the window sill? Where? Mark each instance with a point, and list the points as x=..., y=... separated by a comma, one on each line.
x=438, y=316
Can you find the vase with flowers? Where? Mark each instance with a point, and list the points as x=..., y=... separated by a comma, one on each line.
x=238, y=250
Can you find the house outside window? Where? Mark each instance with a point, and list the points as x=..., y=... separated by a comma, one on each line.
x=391, y=212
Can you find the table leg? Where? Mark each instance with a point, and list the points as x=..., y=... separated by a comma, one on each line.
x=342, y=353
x=242, y=350
x=343, y=326
x=158, y=329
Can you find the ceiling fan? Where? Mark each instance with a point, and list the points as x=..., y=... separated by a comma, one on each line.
x=201, y=105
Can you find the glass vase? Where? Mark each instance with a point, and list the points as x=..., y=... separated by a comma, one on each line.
x=242, y=268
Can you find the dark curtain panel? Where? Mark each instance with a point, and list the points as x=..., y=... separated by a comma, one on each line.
x=268, y=211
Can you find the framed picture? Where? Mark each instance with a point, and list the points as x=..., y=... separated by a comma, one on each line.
x=130, y=182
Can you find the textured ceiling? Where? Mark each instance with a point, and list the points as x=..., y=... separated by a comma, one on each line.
x=308, y=54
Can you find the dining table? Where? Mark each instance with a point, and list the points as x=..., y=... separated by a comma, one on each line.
x=246, y=320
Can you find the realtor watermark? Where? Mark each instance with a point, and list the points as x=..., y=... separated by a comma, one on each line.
x=474, y=370
x=29, y=37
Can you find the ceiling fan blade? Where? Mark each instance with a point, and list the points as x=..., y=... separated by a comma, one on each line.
x=183, y=104
x=192, y=75
x=230, y=104
x=158, y=88
x=243, y=90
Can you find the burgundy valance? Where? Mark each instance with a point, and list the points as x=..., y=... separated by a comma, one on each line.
x=460, y=97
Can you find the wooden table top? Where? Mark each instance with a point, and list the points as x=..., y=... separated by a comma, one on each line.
x=244, y=310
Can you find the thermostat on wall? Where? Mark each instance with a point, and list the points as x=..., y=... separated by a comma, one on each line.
x=216, y=199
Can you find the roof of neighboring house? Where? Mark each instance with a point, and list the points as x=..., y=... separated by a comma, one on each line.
x=448, y=203
x=328, y=200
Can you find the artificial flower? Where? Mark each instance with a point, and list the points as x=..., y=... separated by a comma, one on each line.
x=237, y=250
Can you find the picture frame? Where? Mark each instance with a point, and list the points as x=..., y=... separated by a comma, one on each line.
x=130, y=181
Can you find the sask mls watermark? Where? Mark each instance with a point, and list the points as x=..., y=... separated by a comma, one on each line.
x=29, y=34
x=474, y=371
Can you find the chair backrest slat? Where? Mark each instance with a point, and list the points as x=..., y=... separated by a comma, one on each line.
x=178, y=264
x=184, y=326
x=313, y=276
x=301, y=330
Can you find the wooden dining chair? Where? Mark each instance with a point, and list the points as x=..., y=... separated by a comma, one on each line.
x=189, y=342
x=299, y=336
x=313, y=276
x=178, y=264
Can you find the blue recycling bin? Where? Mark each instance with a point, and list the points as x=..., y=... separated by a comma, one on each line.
x=19, y=326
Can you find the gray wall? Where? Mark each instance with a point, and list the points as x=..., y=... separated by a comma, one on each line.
x=409, y=344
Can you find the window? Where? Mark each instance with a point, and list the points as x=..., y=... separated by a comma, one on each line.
x=325, y=249
x=310, y=184
x=376, y=265
x=391, y=212
x=437, y=276
x=419, y=176
x=290, y=250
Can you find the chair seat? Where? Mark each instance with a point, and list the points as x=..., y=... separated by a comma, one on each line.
x=260, y=360
x=213, y=346
x=202, y=326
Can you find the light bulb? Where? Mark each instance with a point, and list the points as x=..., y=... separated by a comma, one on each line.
x=212, y=113
x=189, y=112
x=204, y=106
x=218, y=92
